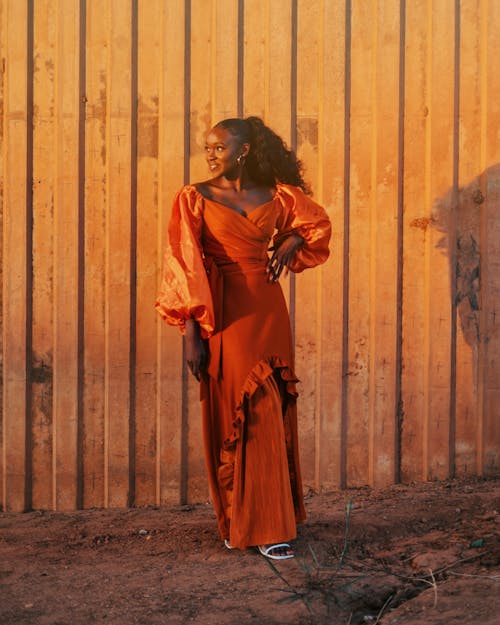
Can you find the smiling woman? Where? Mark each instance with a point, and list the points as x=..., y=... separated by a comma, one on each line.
x=222, y=288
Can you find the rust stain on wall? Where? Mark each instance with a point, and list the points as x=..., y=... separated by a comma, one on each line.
x=148, y=130
x=307, y=130
x=422, y=223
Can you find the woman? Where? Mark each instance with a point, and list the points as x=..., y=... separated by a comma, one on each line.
x=221, y=288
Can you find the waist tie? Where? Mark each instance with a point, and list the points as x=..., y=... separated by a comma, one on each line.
x=216, y=282
x=215, y=275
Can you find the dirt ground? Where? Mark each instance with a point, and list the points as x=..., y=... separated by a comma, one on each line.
x=417, y=554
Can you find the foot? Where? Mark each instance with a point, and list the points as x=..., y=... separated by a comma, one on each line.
x=279, y=551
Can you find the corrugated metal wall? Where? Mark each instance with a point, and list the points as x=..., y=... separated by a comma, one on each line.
x=393, y=106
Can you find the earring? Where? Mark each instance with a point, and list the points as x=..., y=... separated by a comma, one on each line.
x=240, y=160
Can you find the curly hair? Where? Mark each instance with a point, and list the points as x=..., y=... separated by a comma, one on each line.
x=269, y=160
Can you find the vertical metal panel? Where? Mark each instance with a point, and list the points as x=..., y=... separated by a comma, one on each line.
x=96, y=202
x=489, y=356
x=224, y=60
x=384, y=252
x=394, y=108
x=174, y=163
x=66, y=232
x=307, y=318
x=415, y=227
x=2, y=107
x=468, y=238
x=255, y=64
x=362, y=138
x=440, y=166
x=44, y=169
x=330, y=190
x=202, y=82
x=15, y=254
x=118, y=250
x=427, y=286
x=150, y=69
x=279, y=87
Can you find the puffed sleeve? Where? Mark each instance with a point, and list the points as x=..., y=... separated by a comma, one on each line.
x=184, y=290
x=300, y=214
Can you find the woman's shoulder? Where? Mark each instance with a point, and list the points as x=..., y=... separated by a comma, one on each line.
x=187, y=189
x=289, y=188
x=187, y=193
x=204, y=188
x=188, y=198
x=291, y=193
x=295, y=199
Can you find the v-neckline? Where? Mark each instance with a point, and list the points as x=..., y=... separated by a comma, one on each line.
x=243, y=214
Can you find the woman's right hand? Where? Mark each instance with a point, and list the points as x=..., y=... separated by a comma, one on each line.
x=196, y=350
x=283, y=255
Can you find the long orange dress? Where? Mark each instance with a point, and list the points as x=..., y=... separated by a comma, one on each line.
x=215, y=272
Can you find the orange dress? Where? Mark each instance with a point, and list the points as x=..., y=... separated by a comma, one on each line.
x=215, y=272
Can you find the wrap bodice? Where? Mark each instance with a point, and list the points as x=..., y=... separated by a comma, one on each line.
x=203, y=233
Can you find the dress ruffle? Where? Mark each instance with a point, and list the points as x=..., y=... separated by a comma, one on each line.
x=256, y=378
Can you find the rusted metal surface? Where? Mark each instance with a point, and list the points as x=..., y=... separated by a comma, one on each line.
x=394, y=108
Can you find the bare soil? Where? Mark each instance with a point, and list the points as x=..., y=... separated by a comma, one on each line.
x=422, y=554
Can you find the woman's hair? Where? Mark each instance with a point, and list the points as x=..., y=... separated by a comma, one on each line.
x=269, y=160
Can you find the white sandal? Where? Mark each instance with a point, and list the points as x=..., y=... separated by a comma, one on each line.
x=228, y=544
x=266, y=551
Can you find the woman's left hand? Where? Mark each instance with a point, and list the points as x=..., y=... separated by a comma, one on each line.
x=283, y=256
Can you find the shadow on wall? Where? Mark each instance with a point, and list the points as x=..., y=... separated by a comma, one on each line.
x=470, y=223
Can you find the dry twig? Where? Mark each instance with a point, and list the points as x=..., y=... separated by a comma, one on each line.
x=383, y=609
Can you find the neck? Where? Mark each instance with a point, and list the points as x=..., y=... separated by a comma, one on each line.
x=238, y=182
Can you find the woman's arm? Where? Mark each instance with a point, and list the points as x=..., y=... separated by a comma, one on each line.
x=300, y=219
x=184, y=298
x=184, y=291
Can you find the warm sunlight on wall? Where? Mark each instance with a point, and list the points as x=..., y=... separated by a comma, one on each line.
x=394, y=108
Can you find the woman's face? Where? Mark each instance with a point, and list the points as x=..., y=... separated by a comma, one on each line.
x=222, y=150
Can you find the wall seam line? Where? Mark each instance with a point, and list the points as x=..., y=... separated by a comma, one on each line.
x=80, y=465
x=398, y=408
x=28, y=495
x=133, y=255
x=183, y=486
x=345, y=288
